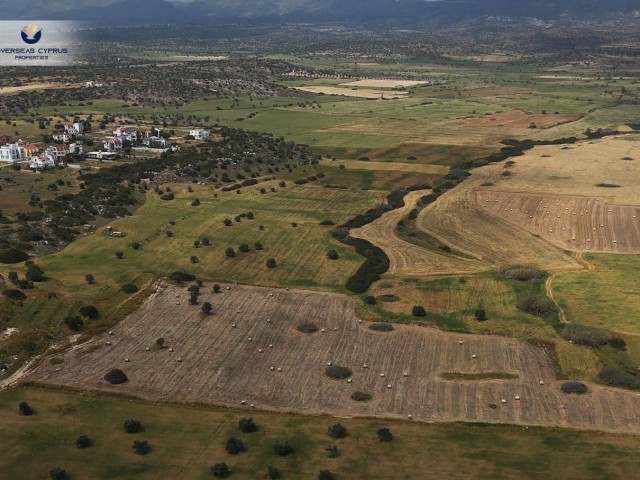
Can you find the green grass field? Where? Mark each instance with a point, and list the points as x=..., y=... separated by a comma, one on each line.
x=185, y=442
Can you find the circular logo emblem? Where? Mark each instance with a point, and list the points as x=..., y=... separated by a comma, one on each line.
x=31, y=33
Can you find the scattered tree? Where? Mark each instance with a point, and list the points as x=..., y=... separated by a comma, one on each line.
x=196, y=243
x=243, y=247
x=337, y=430
x=216, y=288
x=229, y=252
x=83, y=441
x=325, y=475
x=220, y=470
x=89, y=278
x=271, y=263
x=273, y=472
x=258, y=246
x=207, y=308
x=282, y=448
x=193, y=259
x=160, y=342
x=227, y=222
x=115, y=376
x=418, y=311
x=73, y=322
x=333, y=255
x=384, y=434
x=206, y=242
x=141, y=447
x=247, y=425
x=369, y=300
x=57, y=473
x=480, y=315
x=234, y=445
x=25, y=409
x=119, y=255
x=89, y=311
x=332, y=451
x=132, y=426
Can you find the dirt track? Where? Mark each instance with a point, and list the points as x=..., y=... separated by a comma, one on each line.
x=213, y=362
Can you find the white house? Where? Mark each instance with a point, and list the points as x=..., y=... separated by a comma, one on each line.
x=76, y=148
x=61, y=136
x=113, y=144
x=11, y=152
x=155, y=142
x=74, y=129
x=199, y=133
x=41, y=161
x=123, y=133
x=57, y=151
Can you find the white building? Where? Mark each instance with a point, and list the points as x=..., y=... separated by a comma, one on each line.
x=74, y=129
x=11, y=152
x=155, y=142
x=113, y=144
x=76, y=148
x=57, y=151
x=42, y=161
x=61, y=136
x=199, y=134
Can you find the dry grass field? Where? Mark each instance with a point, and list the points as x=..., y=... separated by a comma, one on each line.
x=517, y=119
x=571, y=222
x=207, y=360
x=353, y=92
x=406, y=258
x=384, y=83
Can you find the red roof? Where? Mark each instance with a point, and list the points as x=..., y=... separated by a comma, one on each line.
x=31, y=147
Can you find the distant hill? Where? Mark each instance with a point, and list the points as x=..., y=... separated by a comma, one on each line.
x=377, y=12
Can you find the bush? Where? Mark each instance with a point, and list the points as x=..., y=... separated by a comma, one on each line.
x=583, y=335
x=129, y=288
x=229, y=252
x=25, y=409
x=307, y=327
x=325, y=475
x=381, y=327
x=119, y=255
x=521, y=273
x=271, y=263
x=333, y=255
x=359, y=396
x=141, y=447
x=89, y=311
x=247, y=425
x=617, y=342
x=618, y=377
x=258, y=246
x=220, y=470
x=193, y=259
x=227, y=222
x=234, y=446
x=574, y=387
x=195, y=203
x=207, y=308
x=57, y=473
x=132, y=426
x=136, y=245
x=13, y=255
x=167, y=196
x=418, y=311
x=244, y=248
x=73, y=323
x=369, y=300
x=535, y=304
x=337, y=430
x=480, y=315
x=83, y=441
x=282, y=448
x=13, y=294
x=115, y=376
x=384, y=434
x=338, y=372
x=326, y=223
x=180, y=277
x=89, y=278
x=273, y=472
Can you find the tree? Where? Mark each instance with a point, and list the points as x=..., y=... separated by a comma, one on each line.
x=333, y=255
x=196, y=243
x=282, y=448
x=216, y=288
x=136, y=245
x=384, y=434
x=325, y=475
x=258, y=246
x=195, y=203
x=160, y=342
x=480, y=315
x=207, y=308
x=83, y=441
x=25, y=409
x=89, y=311
x=250, y=215
x=220, y=470
x=332, y=451
x=418, y=311
x=73, y=322
x=141, y=447
x=119, y=255
x=227, y=222
x=271, y=263
x=247, y=425
x=193, y=259
x=89, y=278
x=273, y=472
x=337, y=430
x=57, y=473
x=193, y=299
x=234, y=446
x=115, y=376
x=229, y=252
x=243, y=247
x=34, y=272
x=370, y=300
x=206, y=242
x=132, y=426
x=13, y=277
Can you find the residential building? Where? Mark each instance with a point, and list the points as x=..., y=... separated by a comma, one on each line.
x=61, y=136
x=41, y=161
x=199, y=134
x=11, y=152
x=30, y=150
x=113, y=144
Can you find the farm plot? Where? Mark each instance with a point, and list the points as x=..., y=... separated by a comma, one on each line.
x=571, y=222
x=518, y=119
x=353, y=92
x=207, y=360
x=406, y=258
x=384, y=83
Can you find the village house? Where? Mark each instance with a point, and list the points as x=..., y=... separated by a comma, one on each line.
x=199, y=134
x=30, y=150
x=57, y=151
x=76, y=148
x=11, y=152
x=61, y=136
x=42, y=161
x=74, y=129
x=112, y=144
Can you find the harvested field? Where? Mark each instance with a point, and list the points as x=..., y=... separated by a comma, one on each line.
x=384, y=83
x=212, y=362
x=518, y=119
x=35, y=86
x=348, y=92
x=573, y=223
x=406, y=258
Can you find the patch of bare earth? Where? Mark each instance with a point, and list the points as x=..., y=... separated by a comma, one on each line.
x=213, y=362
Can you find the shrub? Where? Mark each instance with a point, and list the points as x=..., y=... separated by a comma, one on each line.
x=325, y=475
x=618, y=377
x=136, y=245
x=234, y=446
x=13, y=255
x=247, y=425
x=258, y=246
x=206, y=242
x=326, y=223
x=271, y=263
x=179, y=277
x=418, y=311
x=369, y=300
x=195, y=203
x=160, y=342
x=337, y=371
x=216, y=288
x=337, y=430
x=89, y=278
x=381, y=327
x=73, y=323
x=167, y=196
x=119, y=255
x=273, y=472
x=207, y=308
x=13, y=294
x=83, y=441
x=244, y=248
x=583, y=335
x=193, y=259
x=132, y=426
x=115, y=376
x=617, y=342
x=227, y=222
x=25, y=409
x=196, y=243
x=57, y=473
x=359, y=396
x=220, y=470
x=521, y=273
x=480, y=315
x=229, y=252
x=141, y=447
x=384, y=434
x=89, y=311
x=307, y=327
x=129, y=288
x=333, y=255
x=574, y=387
x=535, y=304
x=282, y=448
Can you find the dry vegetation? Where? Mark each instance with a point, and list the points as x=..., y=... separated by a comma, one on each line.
x=213, y=362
